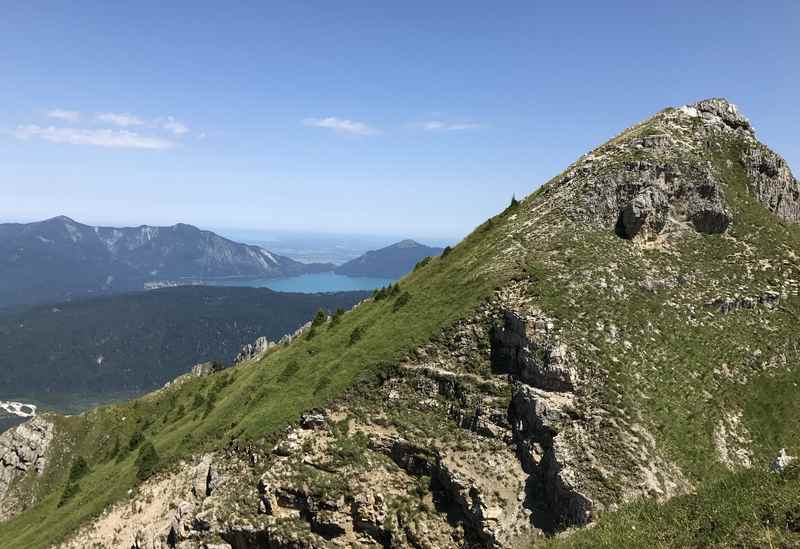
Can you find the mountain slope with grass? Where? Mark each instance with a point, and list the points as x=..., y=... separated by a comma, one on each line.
x=59, y=259
x=616, y=349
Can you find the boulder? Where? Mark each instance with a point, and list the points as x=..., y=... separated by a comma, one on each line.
x=782, y=461
x=207, y=368
x=205, y=478
x=724, y=111
x=313, y=420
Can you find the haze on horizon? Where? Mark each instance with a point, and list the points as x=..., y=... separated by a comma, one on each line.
x=414, y=119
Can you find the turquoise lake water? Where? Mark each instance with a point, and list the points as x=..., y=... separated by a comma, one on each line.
x=310, y=283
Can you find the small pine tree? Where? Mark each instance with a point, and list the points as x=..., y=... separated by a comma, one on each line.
x=69, y=492
x=337, y=316
x=422, y=263
x=79, y=469
x=136, y=439
x=382, y=293
x=356, y=335
x=514, y=201
x=146, y=461
x=320, y=319
x=404, y=298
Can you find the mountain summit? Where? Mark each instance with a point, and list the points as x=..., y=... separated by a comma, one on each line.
x=60, y=258
x=618, y=348
x=390, y=262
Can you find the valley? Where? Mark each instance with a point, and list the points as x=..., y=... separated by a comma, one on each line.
x=85, y=350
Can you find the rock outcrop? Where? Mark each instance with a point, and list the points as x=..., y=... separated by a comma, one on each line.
x=782, y=461
x=255, y=350
x=653, y=181
x=23, y=452
x=207, y=368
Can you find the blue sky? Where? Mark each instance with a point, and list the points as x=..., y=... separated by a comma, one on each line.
x=409, y=118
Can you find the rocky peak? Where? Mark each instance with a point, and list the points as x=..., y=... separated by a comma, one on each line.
x=673, y=173
x=720, y=109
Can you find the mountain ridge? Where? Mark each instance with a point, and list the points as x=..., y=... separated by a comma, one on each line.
x=616, y=348
x=59, y=258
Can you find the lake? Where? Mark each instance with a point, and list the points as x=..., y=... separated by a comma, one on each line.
x=309, y=283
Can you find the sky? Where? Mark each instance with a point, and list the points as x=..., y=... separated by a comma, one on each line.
x=417, y=118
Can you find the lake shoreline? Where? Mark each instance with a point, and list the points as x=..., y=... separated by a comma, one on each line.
x=309, y=283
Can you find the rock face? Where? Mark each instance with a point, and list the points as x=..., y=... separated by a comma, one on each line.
x=657, y=183
x=23, y=451
x=207, y=368
x=552, y=430
x=255, y=350
x=772, y=183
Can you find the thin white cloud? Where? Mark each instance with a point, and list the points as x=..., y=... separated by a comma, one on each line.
x=441, y=126
x=341, y=125
x=174, y=126
x=98, y=138
x=119, y=119
x=61, y=114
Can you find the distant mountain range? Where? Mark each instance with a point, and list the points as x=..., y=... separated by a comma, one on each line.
x=138, y=341
x=391, y=262
x=60, y=259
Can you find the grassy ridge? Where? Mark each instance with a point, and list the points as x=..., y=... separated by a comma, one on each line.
x=254, y=400
x=676, y=347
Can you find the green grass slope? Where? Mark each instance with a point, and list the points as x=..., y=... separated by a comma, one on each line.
x=666, y=358
x=252, y=401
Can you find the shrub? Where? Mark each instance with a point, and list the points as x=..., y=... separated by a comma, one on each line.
x=199, y=401
x=116, y=449
x=446, y=251
x=357, y=334
x=136, y=439
x=146, y=461
x=337, y=316
x=70, y=491
x=78, y=470
x=288, y=371
x=322, y=384
x=377, y=295
x=320, y=319
x=394, y=289
x=422, y=262
x=404, y=298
